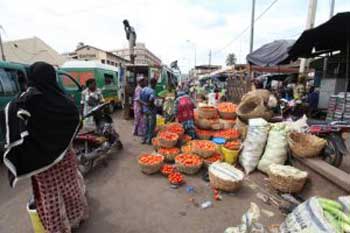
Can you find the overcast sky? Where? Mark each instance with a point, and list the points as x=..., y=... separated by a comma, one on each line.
x=164, y=25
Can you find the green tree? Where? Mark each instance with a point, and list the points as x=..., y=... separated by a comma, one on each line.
x=231, y=59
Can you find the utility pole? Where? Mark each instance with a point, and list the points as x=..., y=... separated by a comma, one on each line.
x=310, y=21
x=210, y=57
x=2, y=47
x=325, y=60
x=252, y=27
x=331, y=12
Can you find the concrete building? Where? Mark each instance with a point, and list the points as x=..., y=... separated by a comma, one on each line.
x=143, y=55
x=31, y=50
x=202, y=70
x=90, y=53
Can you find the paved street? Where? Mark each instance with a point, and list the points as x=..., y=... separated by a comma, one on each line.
x=122, y=199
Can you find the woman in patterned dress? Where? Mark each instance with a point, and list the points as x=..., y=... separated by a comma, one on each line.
x=41, y=124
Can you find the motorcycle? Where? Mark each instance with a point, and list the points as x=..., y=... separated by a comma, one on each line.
x=94, y=145
x=332, y=132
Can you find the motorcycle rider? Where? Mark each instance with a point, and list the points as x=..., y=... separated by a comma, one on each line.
x=90, y=98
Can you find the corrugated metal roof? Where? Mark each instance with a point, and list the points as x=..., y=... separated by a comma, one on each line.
x=31, y=50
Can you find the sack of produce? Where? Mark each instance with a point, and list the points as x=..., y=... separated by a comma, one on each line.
x=254, y=144
x=224, y=176
x=305, y=145
x=317, y=215
x=253, y=107
x=167, y=139
x=287, y=179
x=204, y=148
x=276, y=148
x=207, y=112
x=150, y=163
x=169, y=153
x=227, y=124
x=188, y=163
x=227, y=110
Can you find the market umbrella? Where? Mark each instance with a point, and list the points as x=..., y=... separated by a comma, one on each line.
x=271, y=54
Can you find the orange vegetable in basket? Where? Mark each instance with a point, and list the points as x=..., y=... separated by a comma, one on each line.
x=150, y=159
x=226, y=107
x=168, y=151
x=186, y=138
x=204, y=132
x=175, y=178
x=186, y=148
x=215, y=157
x=168, y=135
x=233, y=145
x=188, y=159
x=227, y=133
x=205, y=145
x=175, y=128
x=167, y=169
x=155, y=141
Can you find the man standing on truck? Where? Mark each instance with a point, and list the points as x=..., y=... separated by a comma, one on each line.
x=90, y=98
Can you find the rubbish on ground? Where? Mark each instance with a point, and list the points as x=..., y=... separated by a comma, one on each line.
x=224, y=176
x=249, y=222
x=189, y=189
x=217, y=196
x=288, y=197
x=206, y=204
x=268, y=213
x=276, y=147
x=182, y=213
x=263, y=197
x=194, y=202
x=287, y=179
x=254, y=144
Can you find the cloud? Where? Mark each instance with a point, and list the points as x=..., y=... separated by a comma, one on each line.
x=164, y=25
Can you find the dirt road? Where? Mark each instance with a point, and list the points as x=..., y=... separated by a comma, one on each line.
x=124, y=200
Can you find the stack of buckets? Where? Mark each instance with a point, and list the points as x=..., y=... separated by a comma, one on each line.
x=230, y=156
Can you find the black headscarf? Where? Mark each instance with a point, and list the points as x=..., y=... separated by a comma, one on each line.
x=41, y=124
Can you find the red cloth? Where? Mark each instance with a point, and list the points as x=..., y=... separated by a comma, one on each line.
x=59, y=196
x=185, y=109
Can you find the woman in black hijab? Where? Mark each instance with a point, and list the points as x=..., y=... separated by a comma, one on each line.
x=40, y=126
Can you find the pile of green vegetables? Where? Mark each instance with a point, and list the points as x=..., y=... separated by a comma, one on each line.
x=333, y=212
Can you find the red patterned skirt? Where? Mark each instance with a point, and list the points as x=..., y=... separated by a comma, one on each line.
x=59, y=196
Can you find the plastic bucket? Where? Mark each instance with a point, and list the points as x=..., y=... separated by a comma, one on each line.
x=219, y=142
x=230, y=156
x=35, y=219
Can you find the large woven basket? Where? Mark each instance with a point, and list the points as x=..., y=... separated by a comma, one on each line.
x=207, y=112
x=227, y=124
x=253, y=107
x=163, y=142
x=169, y=157
x=227, y=115
x=190, y=170
x=305, y=145
x=150, y=169
x=225, y=185
x=202, y=152
x=284, y=182
x=202, y=123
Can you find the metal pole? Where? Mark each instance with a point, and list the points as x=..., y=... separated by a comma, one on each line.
x=209, y=57
x=332, y=8
x=325, y=60
x=2, y=48
x=252, y=27
x=310, y=21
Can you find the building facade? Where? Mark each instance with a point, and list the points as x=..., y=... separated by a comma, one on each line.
x=143, y=55
x=90, y=53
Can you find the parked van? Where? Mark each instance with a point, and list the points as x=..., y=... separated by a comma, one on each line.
x=106, y=76
x=14, y=79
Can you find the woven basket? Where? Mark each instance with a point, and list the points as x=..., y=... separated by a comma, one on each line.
x=217, y=126
x=227, y=115
x=201, y=152
x=202, y=123
x=189, y=170
x=253, y=107
x=286, y=183
x=207, y=163
x=168, y=143
x=207, y=112
x=169, y=157
x=150, y=169
x=227, y=124
x=305, y=145
x=225, y=185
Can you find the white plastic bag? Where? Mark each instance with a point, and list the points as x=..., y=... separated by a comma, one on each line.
x=249, y=222
x=345, y=201
x=276, y=147
x=254, y=144
x=307, y=217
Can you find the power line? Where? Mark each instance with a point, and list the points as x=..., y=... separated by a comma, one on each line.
x=246, y=29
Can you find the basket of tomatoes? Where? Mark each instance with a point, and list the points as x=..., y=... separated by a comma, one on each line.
x=185, y=139
x=150, y=163
x=204, y=148
x=169, y=153
x=167, y=139
x=227, y=110
x=188, y=163
x=175, y=178
x=233, y=145
x=227, y=124
x=175, y=128
x=167, y=169
x=204, y=134
x=228, y=134
x=207, y=112
x=212, y=159
x=155, y=143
